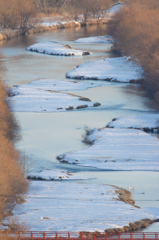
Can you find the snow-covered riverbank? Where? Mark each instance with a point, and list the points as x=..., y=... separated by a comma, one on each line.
x=109, y=69
x=54, y=48
x=117, y=149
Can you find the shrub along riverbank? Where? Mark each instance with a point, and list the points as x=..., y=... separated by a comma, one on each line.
x=135, y=29
x=12, y=181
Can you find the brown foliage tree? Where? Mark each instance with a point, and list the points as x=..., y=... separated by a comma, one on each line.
x=136, y=32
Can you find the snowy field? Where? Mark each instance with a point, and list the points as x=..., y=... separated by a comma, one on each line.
x=49, y=175
x=110, y=69
x=54, y=48
x=117, y=149
x=145, y=121
x=70, y=206
x=96, y=39
x=43, y=96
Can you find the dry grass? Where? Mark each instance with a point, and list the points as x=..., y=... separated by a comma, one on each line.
x=2, y=37
x=9, y=33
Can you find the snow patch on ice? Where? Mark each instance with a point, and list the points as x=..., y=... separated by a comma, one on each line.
x=96, y=39
x=145, y=121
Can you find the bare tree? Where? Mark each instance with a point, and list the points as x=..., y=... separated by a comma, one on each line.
x=27, y=13
x=8, y=14
x=17, y=14
x=88, y=8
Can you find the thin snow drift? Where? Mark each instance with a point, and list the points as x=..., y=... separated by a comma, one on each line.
x=109, y=69
x=43, y=96
x=146, y=122
x=96, y=39
x=54, y=48
x=57, y=85
x=49, y=175
x=117, y=149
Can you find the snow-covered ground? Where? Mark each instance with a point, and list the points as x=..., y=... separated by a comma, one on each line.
x=145, y=121
x=111, y=69
x=55, y=21
x=42, y=95
x=96, y=39
x=70, y=206
x=49, y=174
x=117, y=149
x=114, y=9
x=54, y=48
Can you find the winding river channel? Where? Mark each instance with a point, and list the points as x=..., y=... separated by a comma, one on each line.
x=46, y=135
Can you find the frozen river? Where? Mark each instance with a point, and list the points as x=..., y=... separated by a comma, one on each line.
x=46, y=135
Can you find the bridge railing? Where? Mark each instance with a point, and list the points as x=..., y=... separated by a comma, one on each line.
x=52, y=235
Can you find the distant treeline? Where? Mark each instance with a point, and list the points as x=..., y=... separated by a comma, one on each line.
x=22, y=15
x=12, y=181
x=74, y=7
x=136, y=32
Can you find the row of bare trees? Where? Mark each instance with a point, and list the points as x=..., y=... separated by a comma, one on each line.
x=12, y=181
x=21, y=14
x=136, y=32
x=74, y=7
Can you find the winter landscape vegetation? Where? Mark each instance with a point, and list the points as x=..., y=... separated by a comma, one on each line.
x=79, y=98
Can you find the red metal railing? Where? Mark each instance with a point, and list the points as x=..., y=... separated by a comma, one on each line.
x=51, y=235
